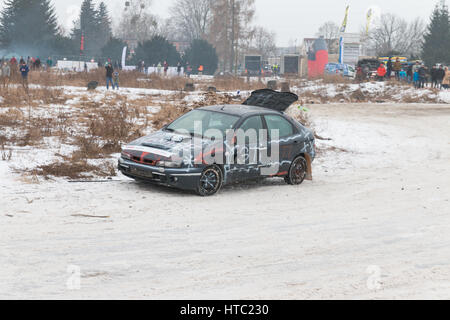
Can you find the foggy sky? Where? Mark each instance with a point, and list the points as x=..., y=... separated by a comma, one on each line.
x=290, y=19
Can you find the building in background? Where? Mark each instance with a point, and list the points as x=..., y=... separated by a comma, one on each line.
x=352, y=48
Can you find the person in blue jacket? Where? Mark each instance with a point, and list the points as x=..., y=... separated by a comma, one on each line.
x=24, y=70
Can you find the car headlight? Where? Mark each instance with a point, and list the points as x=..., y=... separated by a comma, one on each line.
x=125, y=155
x=169, y=164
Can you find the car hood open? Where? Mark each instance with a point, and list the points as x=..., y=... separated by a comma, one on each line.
x=270, y=99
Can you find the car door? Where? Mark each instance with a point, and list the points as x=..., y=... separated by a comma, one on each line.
x=285, y=142
x=247, y=156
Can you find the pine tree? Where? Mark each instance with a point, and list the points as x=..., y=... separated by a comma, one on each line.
x=157, y=50
x=202, y=53
x=28, y=27
x=104, y=25
x=87, y=25
x=95, y=25
x=113, y=49
x=436, y=46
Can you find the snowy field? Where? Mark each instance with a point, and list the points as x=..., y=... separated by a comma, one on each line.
x=374, y=223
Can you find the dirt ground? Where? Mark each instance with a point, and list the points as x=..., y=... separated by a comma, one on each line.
x=374, y=223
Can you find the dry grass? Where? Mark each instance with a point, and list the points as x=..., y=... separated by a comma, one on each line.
x=130, y=79
x=75, y=169
x=333, y=79
x=230, y=83
x=116, y=125
x=12, y=117
x=134, y=79
x=17, y=96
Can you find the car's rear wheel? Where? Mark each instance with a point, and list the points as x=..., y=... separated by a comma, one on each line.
x=297, y=172
x=210, y=181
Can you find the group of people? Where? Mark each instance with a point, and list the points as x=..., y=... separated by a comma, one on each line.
x=8, y=68
x=163, y=68
x=437, y=77
x=418, y=74
x=385, y=71
x=276, y=69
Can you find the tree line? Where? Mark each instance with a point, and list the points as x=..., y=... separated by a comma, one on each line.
x=392, y=35
x=219, y=32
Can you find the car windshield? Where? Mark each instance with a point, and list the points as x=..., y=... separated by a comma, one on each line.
x=198, y=122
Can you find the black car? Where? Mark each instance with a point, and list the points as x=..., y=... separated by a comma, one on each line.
x=369, y=67
x=223, y=144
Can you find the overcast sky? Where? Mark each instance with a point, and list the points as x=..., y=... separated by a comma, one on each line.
x=290, y=19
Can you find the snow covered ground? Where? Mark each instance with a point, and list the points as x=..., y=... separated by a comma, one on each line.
x=374, y=223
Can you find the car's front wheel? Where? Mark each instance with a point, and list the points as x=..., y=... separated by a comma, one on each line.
x=297, y=172
x=210, y=181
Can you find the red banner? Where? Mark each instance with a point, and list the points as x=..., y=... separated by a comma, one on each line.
x=82, y=44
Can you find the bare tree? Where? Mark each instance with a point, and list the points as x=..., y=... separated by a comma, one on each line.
x=137, y=22
x=262, y=41
x=330, y=32
x=190, y=19
x=393, y=34
x=231, y=29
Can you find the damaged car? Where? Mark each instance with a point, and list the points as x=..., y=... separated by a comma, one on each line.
x=213, y=146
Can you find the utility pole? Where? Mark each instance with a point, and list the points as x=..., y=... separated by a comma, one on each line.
x=233, y=26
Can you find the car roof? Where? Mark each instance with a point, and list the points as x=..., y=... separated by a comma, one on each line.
x=239, y=110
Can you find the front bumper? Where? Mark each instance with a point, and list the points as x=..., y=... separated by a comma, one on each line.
x=181, y=178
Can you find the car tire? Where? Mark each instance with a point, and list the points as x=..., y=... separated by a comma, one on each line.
x=210, y=182
x=297, y=172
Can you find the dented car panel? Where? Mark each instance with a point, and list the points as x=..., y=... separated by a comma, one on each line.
x=175, y=160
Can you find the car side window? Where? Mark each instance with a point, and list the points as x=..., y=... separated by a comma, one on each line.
x=275, y=122
x=253, y=123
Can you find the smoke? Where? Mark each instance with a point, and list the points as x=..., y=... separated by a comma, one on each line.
x=25, y=51
x=72, y=14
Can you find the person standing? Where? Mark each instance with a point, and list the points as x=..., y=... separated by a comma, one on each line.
x=188, y=70
x=24, y=70
x=116, y=80
x=166, y=68
x=397, y=68
x=446, y=80
x=179, y=69
x=159, y=68
x=37, y=64
x=200, y=70
x=409, y=73
x=389, y=68
x=381, y=72
x=49, y=62
x=6, y=74
x=440, y=74
x=415, y=71
x=109, y=75
x=433, y=74
x=422, y=76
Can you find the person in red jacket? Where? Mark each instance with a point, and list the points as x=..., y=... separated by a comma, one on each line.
x=200, y=70
x=381, y=72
